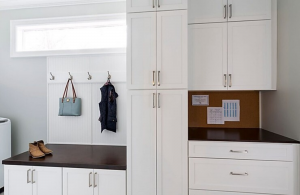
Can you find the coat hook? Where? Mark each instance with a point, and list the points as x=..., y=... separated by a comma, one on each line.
x=71, y=77
x=90, y=76
x=109, y=76
x=52, y=77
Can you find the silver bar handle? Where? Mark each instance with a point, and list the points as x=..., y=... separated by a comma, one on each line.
x=153, y=3
x=32, y=172
x=153, y=78
x=239, y=174
x=28, y=171
x=230, y=80
x=230, y=6
x=95, y=185
x=158, y=78
x=158, y=100
x=90, y=185
x=239, y=151
x=225, y=80
x=158, y=3
x=225, y=11
x=153, y=100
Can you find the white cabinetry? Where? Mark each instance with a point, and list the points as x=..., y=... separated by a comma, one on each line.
x=205, y=11
x=157, y=50
x=94, y=182
x=155, y=5
x=163, y=136
x=29, y=180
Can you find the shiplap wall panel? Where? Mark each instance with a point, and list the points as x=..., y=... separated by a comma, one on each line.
x=86, y=129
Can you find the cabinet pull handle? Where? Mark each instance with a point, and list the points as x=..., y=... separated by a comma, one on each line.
x=158, y=100
x=225, y=80
x=239, y=151
x=158, y=78
x=28, y=171
x=239, y=174
x=153, y=100
x=225, y=11
x=95, y=185
x=153, y=3
x=230, y=6
x=153, y=78
x=90, y=185
x=32, y=180
x=230, y=80
x=158, y=1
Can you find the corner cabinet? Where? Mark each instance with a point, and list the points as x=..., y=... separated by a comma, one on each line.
x=157, y=50
x=155, y=5
x=28, y=180
x=157, y=142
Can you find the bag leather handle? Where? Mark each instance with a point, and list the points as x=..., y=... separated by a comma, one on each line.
x=66, y=91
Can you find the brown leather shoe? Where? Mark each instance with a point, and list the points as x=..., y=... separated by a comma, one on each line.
x=43, y=148
x=35, y=151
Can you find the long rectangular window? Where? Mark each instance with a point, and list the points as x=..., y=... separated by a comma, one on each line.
x=64, y=36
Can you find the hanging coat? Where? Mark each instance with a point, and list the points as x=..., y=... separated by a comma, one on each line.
x=108, y=108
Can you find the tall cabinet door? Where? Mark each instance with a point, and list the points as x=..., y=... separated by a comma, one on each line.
x=249, y=55
x=141, y=143
x=19, y=176
x=47, y=181
x=208, y=56
x=205, y=11
x=165, y=5
x=141, y=5
x=77, y=181
x=241, y=10
x=141, y=51
x=109, y=182
x=172, y=142
x=172, y=50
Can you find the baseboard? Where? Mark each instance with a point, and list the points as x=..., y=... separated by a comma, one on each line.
x=1, y=190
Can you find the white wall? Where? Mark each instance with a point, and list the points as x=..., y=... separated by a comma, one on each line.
x=281, y=108
x=23, y=84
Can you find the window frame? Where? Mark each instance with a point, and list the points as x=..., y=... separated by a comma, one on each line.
x=15, y=23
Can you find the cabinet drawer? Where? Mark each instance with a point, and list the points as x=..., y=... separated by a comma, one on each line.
x=269, y=177
x=233, y=150
x=203, y=192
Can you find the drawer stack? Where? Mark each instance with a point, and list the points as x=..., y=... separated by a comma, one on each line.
x=235, y=168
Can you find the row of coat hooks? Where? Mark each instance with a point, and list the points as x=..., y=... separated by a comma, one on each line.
x=52, y=78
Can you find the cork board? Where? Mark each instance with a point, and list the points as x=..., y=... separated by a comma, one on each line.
x=249, y=109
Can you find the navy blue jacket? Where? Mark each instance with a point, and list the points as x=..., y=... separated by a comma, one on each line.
x=108, y=108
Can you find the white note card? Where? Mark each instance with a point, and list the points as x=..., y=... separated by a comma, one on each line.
x=200, y=100
x=231, y=110
x=215, y=115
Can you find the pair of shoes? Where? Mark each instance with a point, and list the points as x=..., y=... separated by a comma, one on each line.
x=38, y=149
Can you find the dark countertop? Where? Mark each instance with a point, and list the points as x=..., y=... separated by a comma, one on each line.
x=237, y=135
x=76, y=156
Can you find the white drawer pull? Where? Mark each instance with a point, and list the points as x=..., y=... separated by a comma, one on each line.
x=240, y=174
x=241, y=151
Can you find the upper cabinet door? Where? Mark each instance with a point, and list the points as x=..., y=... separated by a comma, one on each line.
x=109, y=182
x=172, y=136
x=208, y=56
x=249, y=55
x=164, y=5
x=172, y=50
x=77, y=181
x=141, y=5
x=207, y=11
x=18, y=180
x=141, y=51
x=47, y=180
x=241, y=10
x=141, y=142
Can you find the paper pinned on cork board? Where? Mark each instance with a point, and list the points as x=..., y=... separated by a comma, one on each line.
x=231, y=110
x=215, y=115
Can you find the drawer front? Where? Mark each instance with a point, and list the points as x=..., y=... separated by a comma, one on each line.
x=203, y=192
x=238, y=150
x=269, y=177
